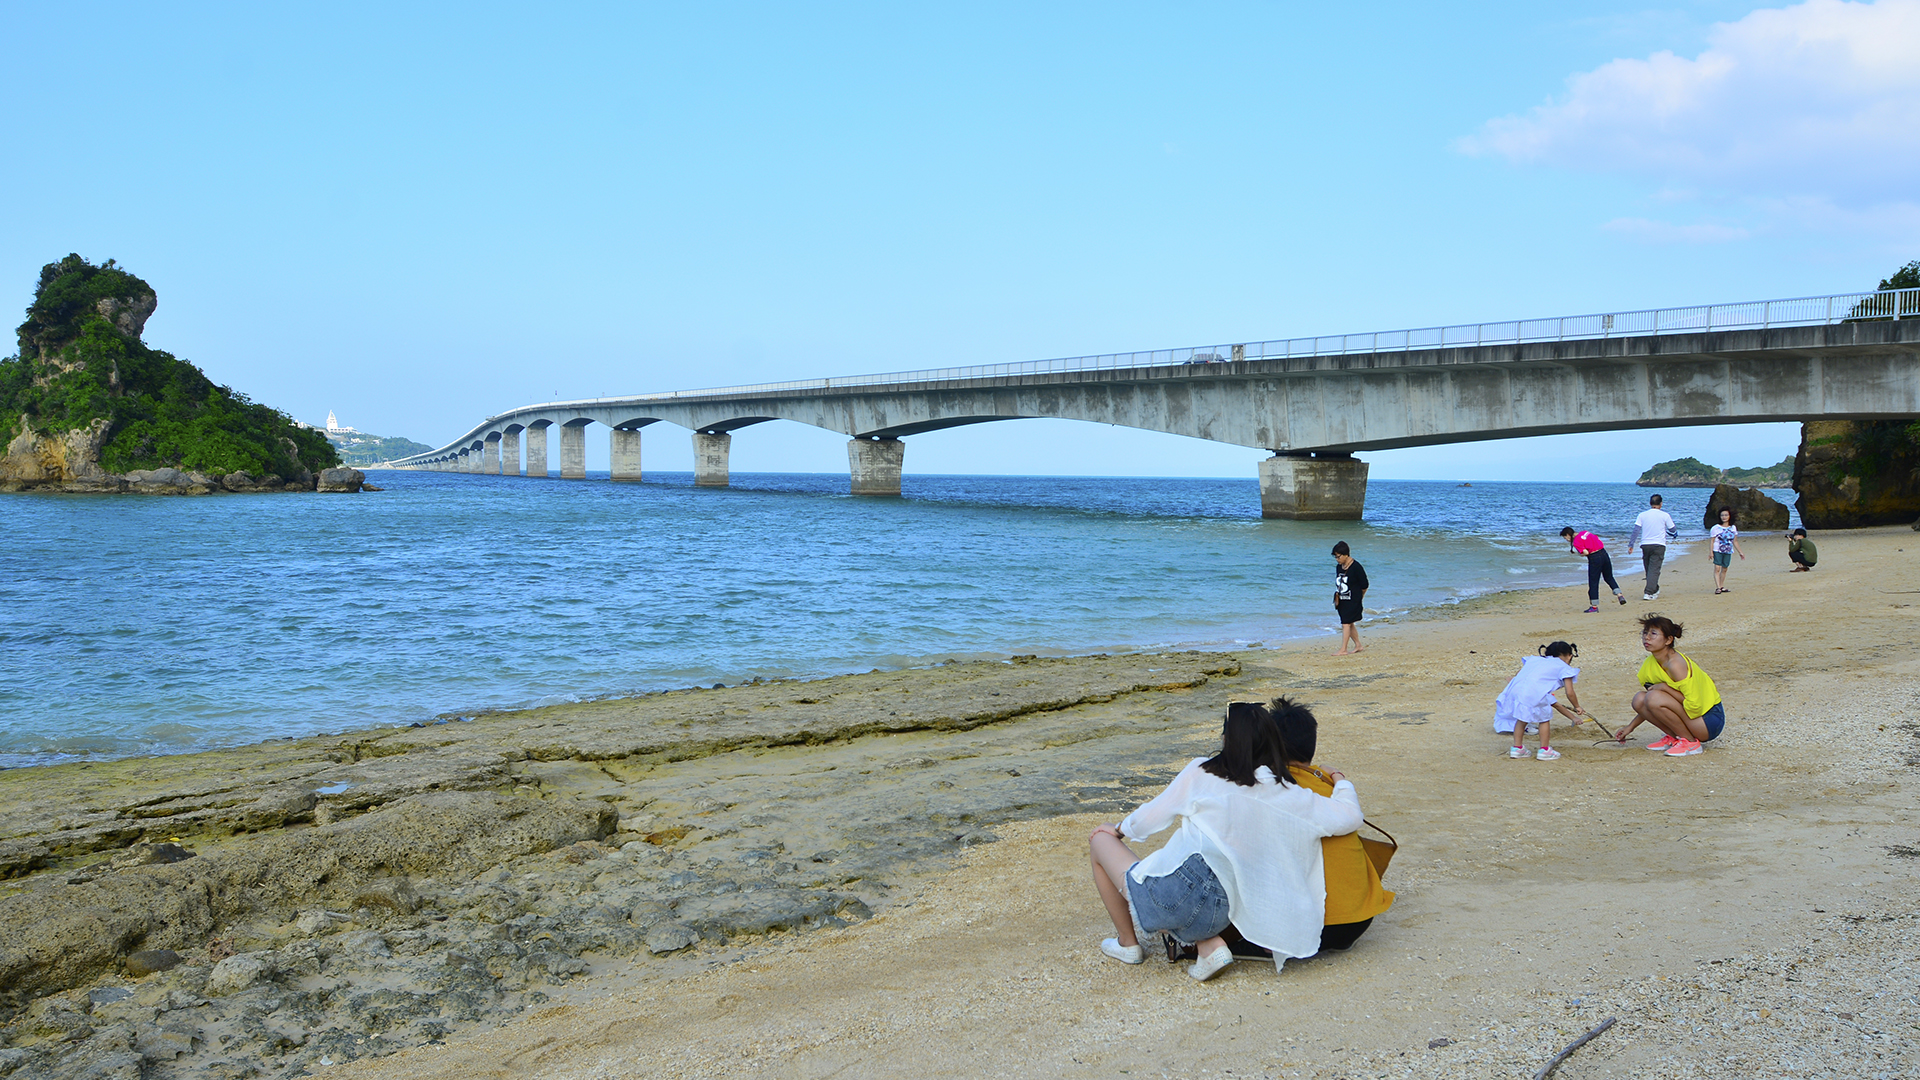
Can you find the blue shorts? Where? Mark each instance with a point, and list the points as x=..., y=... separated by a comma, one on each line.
x=1715, y=719
x=1189, y=902
x=1723, y=558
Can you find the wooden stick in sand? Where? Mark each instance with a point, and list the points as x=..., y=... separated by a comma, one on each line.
x=1584, y=713
x=1571, y=1047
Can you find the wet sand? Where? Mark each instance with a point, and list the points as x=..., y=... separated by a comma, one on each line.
x=885, y=875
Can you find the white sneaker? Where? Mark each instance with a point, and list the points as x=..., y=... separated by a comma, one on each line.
x=1211, y=964
x=1547, y=754
x=1126, y=954
x=1648, y=596
x=1517, y=752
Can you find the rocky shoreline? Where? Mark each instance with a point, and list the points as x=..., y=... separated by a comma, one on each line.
x=267, y=909
x=168, y=481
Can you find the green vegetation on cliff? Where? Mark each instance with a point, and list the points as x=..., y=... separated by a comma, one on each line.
x=81, y=361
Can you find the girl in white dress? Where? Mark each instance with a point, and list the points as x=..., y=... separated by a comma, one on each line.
x=1528, y=698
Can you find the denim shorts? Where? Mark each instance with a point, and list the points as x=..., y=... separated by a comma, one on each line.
x=1715, y=719
x=1189, y=902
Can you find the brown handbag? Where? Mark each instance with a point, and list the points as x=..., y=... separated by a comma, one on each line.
x=1379, y=852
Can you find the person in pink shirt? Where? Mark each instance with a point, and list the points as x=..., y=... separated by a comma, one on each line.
x=1599, y=565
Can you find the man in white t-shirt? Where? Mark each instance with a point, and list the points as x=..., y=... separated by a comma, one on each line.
x=1652, y=530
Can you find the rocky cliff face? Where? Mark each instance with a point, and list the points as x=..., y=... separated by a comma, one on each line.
x=1852, y=474
x=68, y=461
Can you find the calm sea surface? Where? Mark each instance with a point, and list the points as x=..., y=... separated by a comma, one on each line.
x=154, y=625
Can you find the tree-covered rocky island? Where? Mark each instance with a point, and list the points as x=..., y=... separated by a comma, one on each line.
x=1692, y=472
x=86, y=405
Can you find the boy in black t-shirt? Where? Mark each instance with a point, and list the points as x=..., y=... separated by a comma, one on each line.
x=1349, y=588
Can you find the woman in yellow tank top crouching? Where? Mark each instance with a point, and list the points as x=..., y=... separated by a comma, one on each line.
x=1675, y=696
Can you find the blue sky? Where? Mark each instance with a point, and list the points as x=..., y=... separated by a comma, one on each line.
x=417, y=215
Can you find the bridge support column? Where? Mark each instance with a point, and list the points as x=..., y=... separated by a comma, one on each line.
x=537, y=451
x=1320, y=487
x=711, y=450
x=875, y=464
x=626, y=453
x=573, y=452
x=490, y=458
x=510, y=453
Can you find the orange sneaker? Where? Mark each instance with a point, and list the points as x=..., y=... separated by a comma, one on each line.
x=1665, y=742
x=1684, y=747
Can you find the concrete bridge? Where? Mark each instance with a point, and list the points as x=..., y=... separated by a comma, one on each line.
x=1312, y=402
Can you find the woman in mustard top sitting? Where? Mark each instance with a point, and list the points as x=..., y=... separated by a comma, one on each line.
x=1676, y=696
x=1354, y=895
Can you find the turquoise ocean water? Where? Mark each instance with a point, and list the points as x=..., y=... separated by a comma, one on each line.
x=142, y=625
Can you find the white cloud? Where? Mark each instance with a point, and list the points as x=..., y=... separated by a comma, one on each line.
x=1661, y=232
x=1818, y=100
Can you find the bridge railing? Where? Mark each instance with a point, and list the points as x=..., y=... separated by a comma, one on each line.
x=1746, y=315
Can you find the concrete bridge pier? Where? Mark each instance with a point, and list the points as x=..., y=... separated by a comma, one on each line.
x=510, y=453
x=490, y=458
x=711, y=450
x=537, y=451
x=573, y=452
x=1313, y=487
x=875, y=465
x=626, y=453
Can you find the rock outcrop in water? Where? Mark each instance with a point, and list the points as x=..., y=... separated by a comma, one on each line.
x=1753, y=510
x=1852, y=474
x=87, y=406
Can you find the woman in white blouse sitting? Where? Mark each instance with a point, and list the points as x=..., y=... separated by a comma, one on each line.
x=1247, y=852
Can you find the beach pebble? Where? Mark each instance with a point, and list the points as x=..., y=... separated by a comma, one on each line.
x=159, y=1044
x=58, y=1016
x=669, y=937
x=149, y=961
x=236, y=973
x=312, y=922
x=363, y=946
x=392, y=894
x=150, y=855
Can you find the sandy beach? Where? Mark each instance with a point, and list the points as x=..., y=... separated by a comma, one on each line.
x=885, y=875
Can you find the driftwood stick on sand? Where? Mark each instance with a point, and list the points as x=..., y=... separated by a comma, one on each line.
x=1571, y=1047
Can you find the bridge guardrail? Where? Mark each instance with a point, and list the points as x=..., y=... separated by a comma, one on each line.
x=1745, y=315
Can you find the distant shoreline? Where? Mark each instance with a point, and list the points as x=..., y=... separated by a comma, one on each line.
x=1773, y=486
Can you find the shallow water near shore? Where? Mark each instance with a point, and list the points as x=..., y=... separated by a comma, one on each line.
x=149, y=625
